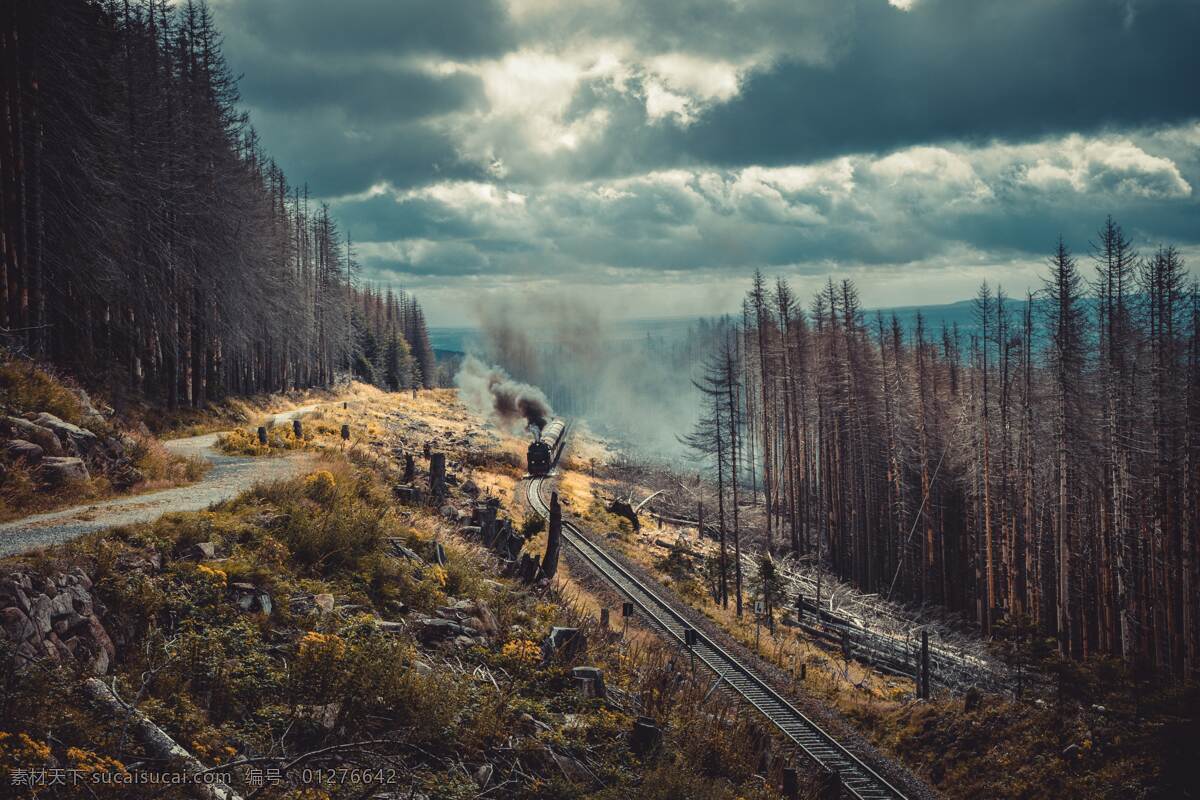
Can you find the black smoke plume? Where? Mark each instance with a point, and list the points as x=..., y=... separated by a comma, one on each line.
x=490, y=391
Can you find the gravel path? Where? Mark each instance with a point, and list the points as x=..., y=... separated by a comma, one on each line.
x=229, y=476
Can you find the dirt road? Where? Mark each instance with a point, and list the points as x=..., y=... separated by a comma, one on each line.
x=229, y=476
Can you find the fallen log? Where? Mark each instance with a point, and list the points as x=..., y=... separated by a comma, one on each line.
x=157, y=742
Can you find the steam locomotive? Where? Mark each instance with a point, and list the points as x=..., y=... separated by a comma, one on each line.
x=546, y=448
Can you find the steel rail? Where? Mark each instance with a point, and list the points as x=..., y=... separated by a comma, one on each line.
x=858, y=779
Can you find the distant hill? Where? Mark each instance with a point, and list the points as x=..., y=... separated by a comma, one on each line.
x=459, y=339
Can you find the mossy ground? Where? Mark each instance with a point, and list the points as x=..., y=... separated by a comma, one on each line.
x=231, y=685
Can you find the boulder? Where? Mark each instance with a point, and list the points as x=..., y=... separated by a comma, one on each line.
x=80, y=439
x=61, y=605
x=54, y=618
x=429, y=629
x=41, y=613
x=24, y=451
x=250, y=598
x=473, y=614
x=203, y=551
x=12, y=593
x=96, y=633
x=61, y=470
x=90, y=412
x=139, y=561
x=31, y=432
x=324, y=603
x=17, y=626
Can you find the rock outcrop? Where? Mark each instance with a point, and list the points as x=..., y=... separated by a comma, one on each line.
x=17, y=428
x=58, y=471
x=56, y=618
x=23, y=451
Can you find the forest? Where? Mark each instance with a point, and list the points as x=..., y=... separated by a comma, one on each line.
x=1040, y=475
x=149, y=244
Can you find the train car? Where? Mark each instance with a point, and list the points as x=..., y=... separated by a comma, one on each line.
x=546, y=448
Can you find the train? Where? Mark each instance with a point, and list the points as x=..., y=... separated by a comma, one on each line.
x=545, y=449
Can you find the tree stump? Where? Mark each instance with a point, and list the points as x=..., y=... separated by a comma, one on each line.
x=830, y=786
x=410, y=468
x=487, y=525
x=553, y=538
x=437, y=474
x=262, y=434
x=594, y=676
x=297, y=429
x=646, y=738
x=791, y=783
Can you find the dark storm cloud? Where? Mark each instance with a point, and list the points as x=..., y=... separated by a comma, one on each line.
x=677, y=143
x=338, y=92
x=949, y=70
x=334, y=155
x=382, y=219
x=460, y=29
x=366, y=92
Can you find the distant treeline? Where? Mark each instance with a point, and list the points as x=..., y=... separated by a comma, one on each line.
x=1041, y=474
x=147, y=240
x=393, y=350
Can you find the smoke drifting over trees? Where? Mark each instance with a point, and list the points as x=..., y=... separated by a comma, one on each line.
x=490, y=391
x=631, y=387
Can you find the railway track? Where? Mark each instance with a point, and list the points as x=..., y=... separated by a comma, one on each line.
x=857, y=779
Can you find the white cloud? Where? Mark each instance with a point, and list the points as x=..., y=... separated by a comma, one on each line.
x=911, y=215
x=932, y=172
x=662, y=103
x=700, y=78
x=1106, y=165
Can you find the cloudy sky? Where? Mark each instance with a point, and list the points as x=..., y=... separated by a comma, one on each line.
x=653, y=153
